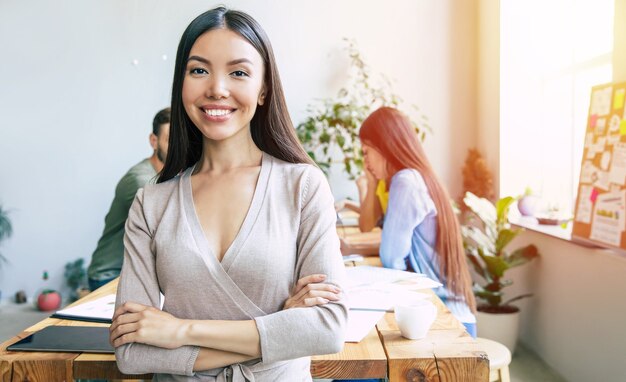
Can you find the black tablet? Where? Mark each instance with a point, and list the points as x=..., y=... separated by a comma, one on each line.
x=73, y=339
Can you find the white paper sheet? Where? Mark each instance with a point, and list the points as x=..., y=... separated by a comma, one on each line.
x=587, y=171
x=601, y=101
x=585, y=206
x=373, y=290
x=609, y=219
x=602, y=180
x=360, y=323
x=101, y=308
x=368, y=275
x=617, y=174
x=614, y=124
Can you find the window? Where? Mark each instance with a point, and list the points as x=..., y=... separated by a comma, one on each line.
x=551, y=54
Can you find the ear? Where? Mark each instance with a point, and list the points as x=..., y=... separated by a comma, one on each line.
x=153, y=141
x=261, y=99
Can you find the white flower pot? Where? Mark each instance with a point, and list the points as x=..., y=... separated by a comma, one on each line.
x=501, y=327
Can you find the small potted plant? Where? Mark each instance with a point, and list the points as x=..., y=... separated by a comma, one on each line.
x=6, y=230
x=48, y=299
x=76, y=279
x=528, y=203
x=485, y=238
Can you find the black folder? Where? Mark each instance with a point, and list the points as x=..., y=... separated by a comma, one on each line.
x=72, y=339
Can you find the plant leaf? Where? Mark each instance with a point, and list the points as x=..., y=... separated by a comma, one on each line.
x=492, y=298
x=522, y=255
x=479, y=238
x=505, y=236
x=485, y=211
x=508, y=302
x=495, y=265
x=502, y=209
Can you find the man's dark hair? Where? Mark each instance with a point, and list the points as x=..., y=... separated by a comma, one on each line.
x=161, y=118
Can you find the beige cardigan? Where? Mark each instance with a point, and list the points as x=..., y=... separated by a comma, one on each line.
x=289, y=232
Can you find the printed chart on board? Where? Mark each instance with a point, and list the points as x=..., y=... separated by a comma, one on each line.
x=600, y=215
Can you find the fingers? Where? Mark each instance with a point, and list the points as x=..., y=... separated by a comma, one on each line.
x=122, y=334
x=313, y=301
x=310, y=288
x=129, y=306
x=126, y=318
x=319, y=294
x=316, y=278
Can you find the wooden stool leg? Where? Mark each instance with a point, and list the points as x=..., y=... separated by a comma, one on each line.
x=504, y=374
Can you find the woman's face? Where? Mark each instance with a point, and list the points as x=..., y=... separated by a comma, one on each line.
x=223, y=84
x=374, y=162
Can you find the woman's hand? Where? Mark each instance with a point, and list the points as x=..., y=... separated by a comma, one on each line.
x=309, y=291
x=133, y=322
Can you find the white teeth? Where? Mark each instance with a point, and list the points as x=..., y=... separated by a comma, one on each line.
x=217, y=112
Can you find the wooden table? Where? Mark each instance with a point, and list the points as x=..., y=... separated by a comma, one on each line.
x=448, y=353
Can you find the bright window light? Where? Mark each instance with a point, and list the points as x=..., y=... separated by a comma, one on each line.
x=551, y=54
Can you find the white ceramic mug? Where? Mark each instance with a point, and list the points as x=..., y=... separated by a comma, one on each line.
x=415, y=319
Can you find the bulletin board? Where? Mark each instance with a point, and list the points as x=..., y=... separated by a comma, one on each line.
x=600, y=215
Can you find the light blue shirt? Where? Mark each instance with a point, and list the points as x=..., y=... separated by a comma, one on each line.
x=410, y=229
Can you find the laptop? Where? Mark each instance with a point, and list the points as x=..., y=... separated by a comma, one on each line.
x=73, y=339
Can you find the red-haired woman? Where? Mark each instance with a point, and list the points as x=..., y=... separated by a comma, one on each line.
x=420, y=232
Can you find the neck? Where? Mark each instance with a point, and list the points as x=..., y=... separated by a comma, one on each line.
x=156, y=163
x=236, y=151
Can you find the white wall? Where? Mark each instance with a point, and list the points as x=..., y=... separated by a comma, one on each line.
x=76, y=113
x=575, y=320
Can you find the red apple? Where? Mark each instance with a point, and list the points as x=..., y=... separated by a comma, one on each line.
x=49, y=300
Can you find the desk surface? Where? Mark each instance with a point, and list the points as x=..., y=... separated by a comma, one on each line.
x=448, y=353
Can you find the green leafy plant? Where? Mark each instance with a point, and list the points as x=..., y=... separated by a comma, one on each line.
x=485, y=238
x=333, y=123
x=75, y=276
x=6, y=230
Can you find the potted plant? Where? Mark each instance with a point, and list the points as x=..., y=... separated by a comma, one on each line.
x=528, y=203
x=48, y=299
x=485, y=238
x=6, y=230
x=76, y=279
x=333, y=124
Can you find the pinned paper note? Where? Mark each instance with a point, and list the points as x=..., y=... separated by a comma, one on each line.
x=588, y=140
x=601, y=180
x=592, y=120
x=612, y=140
x=606, y=159
x=609, y=218
x=587, y=171
x=585, y=204
x=618, y=100
x=593, y=194
x=600, y=128
x=614, y=124
x=617, y=174
x=601, y=101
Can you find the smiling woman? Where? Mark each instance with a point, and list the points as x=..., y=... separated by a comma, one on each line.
x=239, y=230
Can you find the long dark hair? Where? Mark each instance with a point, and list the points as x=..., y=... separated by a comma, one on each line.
x=271, y=127
x=391, y=133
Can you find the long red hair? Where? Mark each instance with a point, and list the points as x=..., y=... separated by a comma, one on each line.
x=391, y=133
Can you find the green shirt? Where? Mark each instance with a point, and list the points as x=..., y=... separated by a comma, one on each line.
x=106, y=261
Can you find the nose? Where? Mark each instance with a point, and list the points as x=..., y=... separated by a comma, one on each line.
x=218, y=88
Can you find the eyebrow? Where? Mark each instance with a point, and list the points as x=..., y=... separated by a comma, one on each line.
x=229, y=63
